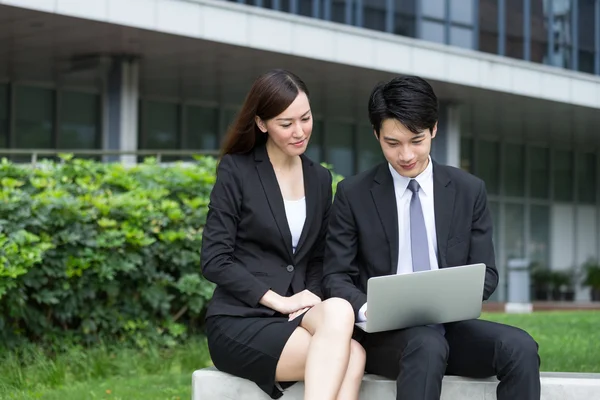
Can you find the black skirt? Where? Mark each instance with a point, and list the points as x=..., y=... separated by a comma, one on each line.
x=250, y=347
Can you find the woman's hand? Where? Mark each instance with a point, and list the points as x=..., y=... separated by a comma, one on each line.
x=289, y=305
x=297, y=313
x=306, y=297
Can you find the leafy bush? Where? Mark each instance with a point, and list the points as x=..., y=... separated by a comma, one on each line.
x=94, y=252
x=91, y=250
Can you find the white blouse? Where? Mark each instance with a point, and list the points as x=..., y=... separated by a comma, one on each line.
x=295, y=210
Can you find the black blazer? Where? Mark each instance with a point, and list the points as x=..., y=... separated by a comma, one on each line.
x=247, y=244
x=362, y=239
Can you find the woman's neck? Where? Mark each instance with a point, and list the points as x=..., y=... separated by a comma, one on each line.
x=279, y=159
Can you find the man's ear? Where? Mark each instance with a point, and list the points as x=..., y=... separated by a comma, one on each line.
x=434, y=131
x=376, y=135
x=261, y=125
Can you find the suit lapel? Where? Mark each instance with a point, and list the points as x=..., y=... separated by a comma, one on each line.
x=384, y=197
x=443, y=204
x=273, y=194
x=311, y=194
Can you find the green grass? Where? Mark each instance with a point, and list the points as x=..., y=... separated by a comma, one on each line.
x=115, y=372
x=568, y=340
x=567, y=343
x=168, y=386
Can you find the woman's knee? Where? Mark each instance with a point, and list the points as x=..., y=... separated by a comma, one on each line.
x=333, y=315
x=339, y=310
x=336, y=316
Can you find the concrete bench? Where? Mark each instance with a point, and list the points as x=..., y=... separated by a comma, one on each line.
x=211, y=384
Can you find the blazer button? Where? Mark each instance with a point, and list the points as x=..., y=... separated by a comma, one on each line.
x=290, y=268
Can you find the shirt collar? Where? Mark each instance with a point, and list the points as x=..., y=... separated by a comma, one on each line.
x=425, y=179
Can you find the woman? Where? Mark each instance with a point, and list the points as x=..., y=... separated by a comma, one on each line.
x=263, y=248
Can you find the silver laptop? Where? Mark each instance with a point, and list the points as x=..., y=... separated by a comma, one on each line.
x=424, y=298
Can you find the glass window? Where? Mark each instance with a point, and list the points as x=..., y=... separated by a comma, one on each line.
x=79, y=116
x=488, y=26
x=269, y=4
x=461, y=37
x=488, y=165
x=495, y=212
x=539, y=235
x=586, y=62
x=514, y=231
x=539, y=172
x=586, y=178
x=562, y=32
x=434, y=8
x=3, y=116
x=34, y=118
x=433, y=31
x=374, y=14
x=586, y=36
x=466, y=154
x=338, y=11
x=563, y=175
x=539, y=32
x=514, y=29
x=369, y=150
x=314, y=151
x=160, y=124
x=229, y=115
x=514, y=170
x=461, y=11
x=305, y=8
x=404, y=19
x=339, y=146
x=201, y=128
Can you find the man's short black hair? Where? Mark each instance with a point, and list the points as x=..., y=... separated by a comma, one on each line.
x=408, y=99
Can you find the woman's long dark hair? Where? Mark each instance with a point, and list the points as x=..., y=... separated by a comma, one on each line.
x=269, y=96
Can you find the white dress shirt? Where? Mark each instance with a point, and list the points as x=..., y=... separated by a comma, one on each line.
x=403, y=196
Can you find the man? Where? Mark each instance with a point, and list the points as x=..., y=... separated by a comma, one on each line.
x=412, y=211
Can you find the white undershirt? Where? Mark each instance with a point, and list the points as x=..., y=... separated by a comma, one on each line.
x=403, y=196
x=295, y=211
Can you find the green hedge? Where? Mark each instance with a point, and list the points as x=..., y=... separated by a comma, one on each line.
x=96, y=252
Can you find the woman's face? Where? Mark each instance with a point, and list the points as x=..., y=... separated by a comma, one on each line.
x=290, y=131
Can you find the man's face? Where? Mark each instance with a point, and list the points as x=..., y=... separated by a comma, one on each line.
x=407, y=152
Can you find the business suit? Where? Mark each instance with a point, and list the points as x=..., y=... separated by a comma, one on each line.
x=362, y=242
x=247, y=250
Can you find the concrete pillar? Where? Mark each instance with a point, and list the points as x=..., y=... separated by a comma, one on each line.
x=445, y=148
x=121, y=108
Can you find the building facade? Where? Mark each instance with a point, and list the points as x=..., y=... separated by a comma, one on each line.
x=518, y=82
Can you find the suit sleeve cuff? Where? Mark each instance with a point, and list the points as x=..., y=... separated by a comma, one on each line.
x=361, y=313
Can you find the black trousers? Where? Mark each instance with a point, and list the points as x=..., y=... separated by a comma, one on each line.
x=418, y=358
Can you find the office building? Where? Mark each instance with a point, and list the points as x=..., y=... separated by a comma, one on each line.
x=518, y=82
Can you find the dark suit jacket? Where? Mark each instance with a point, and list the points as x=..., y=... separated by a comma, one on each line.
x=247, y=244
x=362, y=239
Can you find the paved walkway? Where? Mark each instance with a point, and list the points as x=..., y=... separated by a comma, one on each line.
x=548, y=306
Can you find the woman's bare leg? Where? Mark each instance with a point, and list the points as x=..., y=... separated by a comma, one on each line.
x=354, y=374
x=292, y=361
x=318, y=351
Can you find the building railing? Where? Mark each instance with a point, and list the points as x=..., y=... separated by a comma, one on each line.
x=107, y=155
